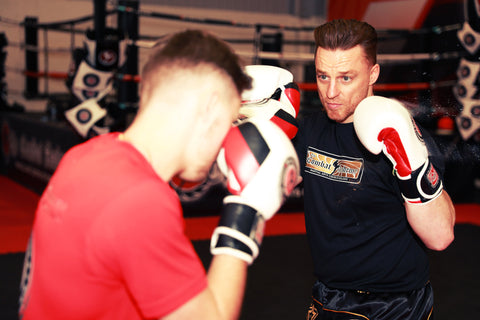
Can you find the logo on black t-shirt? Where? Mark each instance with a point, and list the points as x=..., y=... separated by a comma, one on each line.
x=334, y=167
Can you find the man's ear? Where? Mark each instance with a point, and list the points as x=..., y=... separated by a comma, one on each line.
x=374, y=73
x=208, y=107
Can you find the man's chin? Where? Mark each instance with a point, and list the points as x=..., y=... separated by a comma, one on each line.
x=193, y=178
x=339, y=118
x=334, y=116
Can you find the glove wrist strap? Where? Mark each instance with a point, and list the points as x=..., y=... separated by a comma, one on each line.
x=239, y=232
x=423, y=185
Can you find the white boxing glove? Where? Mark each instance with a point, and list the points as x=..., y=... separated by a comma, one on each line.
x=262, y=169
x=273, y=96
x=384, y=124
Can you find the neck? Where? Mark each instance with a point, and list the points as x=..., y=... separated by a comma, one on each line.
x=158, y=149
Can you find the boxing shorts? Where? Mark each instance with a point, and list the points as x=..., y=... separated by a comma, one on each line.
x=335, y=304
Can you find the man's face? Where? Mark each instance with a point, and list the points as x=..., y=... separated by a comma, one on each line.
x=344, y=78
x=207, y=140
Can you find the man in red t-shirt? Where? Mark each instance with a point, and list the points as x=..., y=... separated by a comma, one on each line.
x=108, y=239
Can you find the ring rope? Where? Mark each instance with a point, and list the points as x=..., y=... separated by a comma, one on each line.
x=150, y=41
x=382, y=33
x=9, y=21
x=37, y=48
x=382, y=58
x=60, y=24
x=409, y=86
x=67, y=26
x=304, y=86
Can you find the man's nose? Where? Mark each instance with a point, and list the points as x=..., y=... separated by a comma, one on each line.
x=332, y=90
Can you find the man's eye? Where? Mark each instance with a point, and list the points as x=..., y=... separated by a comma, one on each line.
x=346, y=78
x=322, y=77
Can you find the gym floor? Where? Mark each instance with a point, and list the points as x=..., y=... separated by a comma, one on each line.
x=280, y=280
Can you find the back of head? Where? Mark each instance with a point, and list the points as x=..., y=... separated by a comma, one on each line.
x=188, y=50
x=345, y=34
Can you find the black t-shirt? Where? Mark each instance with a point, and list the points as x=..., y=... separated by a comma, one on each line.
x=354, y=212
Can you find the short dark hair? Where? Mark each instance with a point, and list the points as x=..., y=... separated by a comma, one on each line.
x=192, y=48
x=345, y=34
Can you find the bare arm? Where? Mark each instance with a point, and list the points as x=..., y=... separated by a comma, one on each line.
x=386, y=125
x=227, y=277
x=236, y=241
x=223, y=297
x=433, y=221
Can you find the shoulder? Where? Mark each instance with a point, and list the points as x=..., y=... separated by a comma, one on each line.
x=151, y=194
x=428, y=137
x=149, y=209
x=94, y=152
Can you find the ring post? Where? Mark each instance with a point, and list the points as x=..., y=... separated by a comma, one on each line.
x=128, y=29
x=99, y=19
x=31, y=57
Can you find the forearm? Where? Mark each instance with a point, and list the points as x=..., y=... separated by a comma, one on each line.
x=226, y=281
x=260, y=163
x=433, y=221
x=222, y=298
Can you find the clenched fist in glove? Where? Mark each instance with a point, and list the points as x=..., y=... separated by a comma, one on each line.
x=384, y=124
x=273, y=96
x=262, y=169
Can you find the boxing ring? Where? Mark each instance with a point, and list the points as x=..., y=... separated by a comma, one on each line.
x=433, y=71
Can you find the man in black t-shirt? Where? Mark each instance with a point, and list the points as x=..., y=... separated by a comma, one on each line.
x=374, y=198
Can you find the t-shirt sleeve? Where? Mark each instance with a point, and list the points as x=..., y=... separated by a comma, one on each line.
x=299, y=144
x=140, y=239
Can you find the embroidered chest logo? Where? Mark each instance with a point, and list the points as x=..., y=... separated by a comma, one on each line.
x=333, y=167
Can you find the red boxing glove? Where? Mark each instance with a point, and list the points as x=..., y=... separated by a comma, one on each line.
x=273, y=96
x=262, y=169
x=384, y=124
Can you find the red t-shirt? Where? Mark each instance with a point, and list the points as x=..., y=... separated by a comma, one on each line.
x=108, y=240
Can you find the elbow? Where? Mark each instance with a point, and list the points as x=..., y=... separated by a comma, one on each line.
x=441, y=243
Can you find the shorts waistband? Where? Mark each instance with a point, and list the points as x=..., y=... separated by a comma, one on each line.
x=415, y=304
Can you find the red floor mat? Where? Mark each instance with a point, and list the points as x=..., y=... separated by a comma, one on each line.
x=17, y=207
